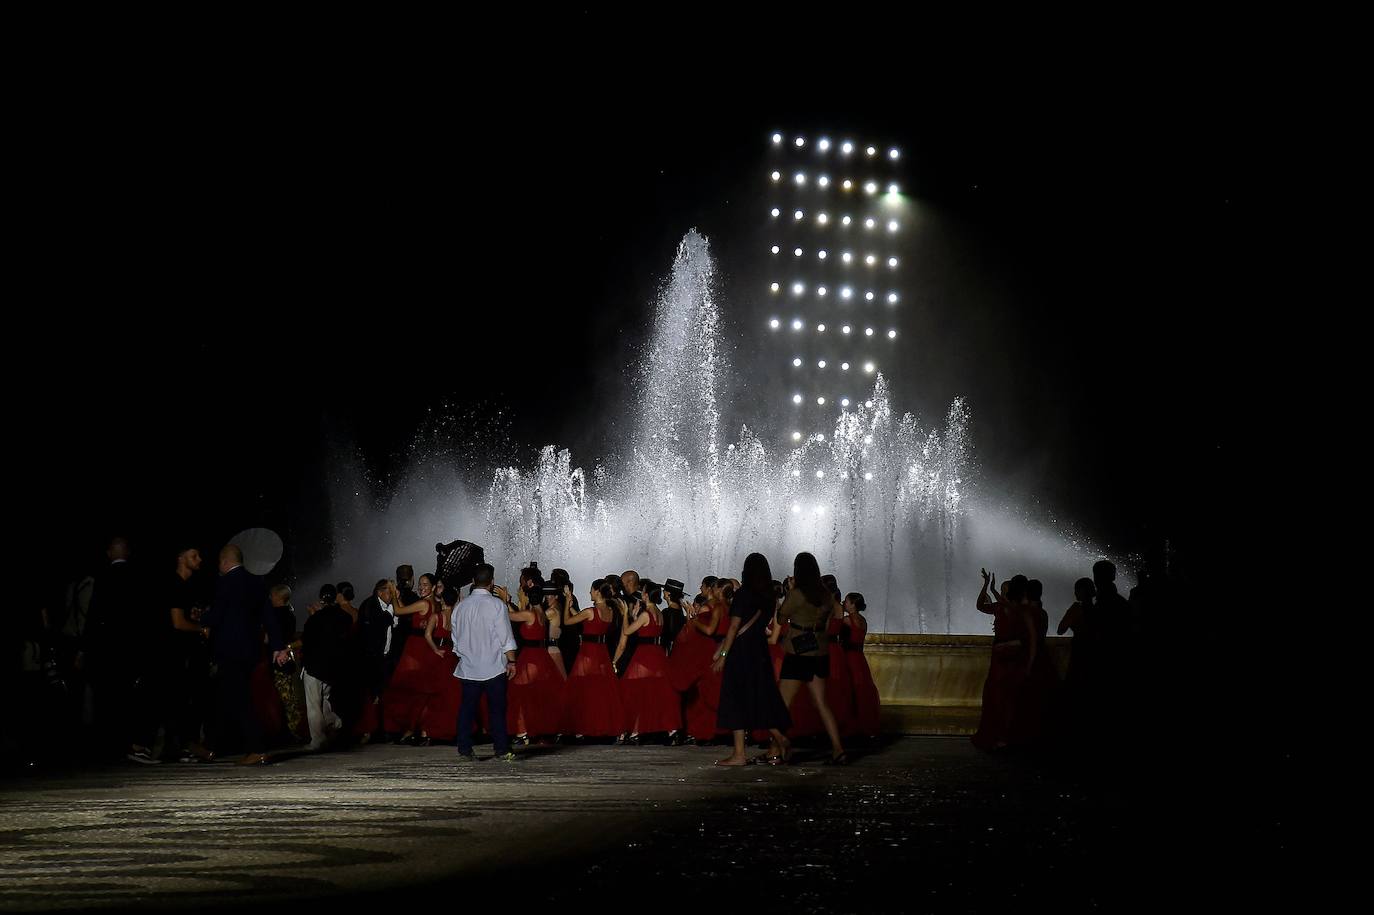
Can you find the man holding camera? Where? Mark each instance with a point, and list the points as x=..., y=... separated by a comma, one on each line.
x=485, y=646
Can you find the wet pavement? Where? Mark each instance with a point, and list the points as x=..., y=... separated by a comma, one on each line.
x=920, y=824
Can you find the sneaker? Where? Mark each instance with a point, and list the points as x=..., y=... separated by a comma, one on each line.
x=140, y=755
x=467, y=758
x=506, y=757
x=188, y=757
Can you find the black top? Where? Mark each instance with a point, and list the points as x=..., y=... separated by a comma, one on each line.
x=325, y=641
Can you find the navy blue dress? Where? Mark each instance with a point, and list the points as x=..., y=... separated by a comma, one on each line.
x=749, y=697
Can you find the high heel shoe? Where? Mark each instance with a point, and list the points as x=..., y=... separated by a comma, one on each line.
x=839, y=759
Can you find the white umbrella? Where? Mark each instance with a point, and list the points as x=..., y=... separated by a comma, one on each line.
x=262, y=549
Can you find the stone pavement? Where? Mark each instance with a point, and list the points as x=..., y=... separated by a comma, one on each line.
x=920, y=824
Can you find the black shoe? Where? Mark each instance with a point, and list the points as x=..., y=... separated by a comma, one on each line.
x=422, y=742
x=467, y=758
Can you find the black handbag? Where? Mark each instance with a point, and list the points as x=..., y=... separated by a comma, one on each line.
x=805, y=643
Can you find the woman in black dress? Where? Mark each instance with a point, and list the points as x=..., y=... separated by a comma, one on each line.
x=749, y=697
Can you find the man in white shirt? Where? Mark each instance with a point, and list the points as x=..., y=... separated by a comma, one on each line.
x=485, y=646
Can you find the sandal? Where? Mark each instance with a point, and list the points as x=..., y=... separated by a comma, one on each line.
x=839, y=759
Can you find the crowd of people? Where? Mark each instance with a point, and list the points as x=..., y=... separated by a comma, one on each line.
x=199, y=668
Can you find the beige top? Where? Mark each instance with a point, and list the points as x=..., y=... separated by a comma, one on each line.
x=804, y=619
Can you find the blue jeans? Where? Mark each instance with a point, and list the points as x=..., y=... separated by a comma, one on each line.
x=495, y=690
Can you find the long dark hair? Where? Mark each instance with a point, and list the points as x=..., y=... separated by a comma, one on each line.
x=807, y=575
x=757, y=579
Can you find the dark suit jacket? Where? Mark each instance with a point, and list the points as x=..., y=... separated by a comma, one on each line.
x=238, y=614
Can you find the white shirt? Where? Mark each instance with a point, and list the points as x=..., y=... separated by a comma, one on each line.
x=387, y=608
x=481, y=636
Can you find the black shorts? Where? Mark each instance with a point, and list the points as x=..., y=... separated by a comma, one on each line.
x=804, y=668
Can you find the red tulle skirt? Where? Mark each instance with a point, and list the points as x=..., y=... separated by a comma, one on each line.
x=593, y=704
x=651, y=703
x=1006, y=677
x=867, y=705
x=534, y=696
x=839, y=692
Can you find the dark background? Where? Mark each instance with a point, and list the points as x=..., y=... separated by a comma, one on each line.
x=244, y=274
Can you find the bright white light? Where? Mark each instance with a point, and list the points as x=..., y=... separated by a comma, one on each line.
x=868, y=439
x=774, y=287
x=820, y=401
x=820, y=438
x=848, y=184
x=870, y=188
x=820, y=363
x=871, y=260
x=868, y=331
x=820, y=509
x=846, y=292
x=796, y=509
x=844, y=402
x=775, y=323
x=892, y=226
x=872, y=151
x=798, y=215
x=801, y=178
x=776, y=249
x=824, y=181
x=846, y=220
x=777, y=176
x=820, y=475
x=892, y=262
x=798, y=252
x=870, y=223
x=844, y=366
x=777, y=138
x=797, y=362
x=892, y=335
x=892, y=189
x=868, y=367
x=796, y=398
x=796, y=436
x=775, y=212
x=796, y=473
x=892, y=298
x=892, y=153
x=820, y=328
x=869, y=404
x=825, y=144
x=822, y=219
x=801, y=141
x=846, y=329
x=796, y=324
x=821, y=255
x=820, y=290
x=869, y=295
x=798, y=288
x=847, y=257
x=868, y=476
x=847, y=148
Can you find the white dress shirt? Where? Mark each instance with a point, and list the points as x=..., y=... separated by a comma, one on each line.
x=390, y=611
x=481, y=636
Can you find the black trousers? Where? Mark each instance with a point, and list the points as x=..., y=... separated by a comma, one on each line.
x=238, y=724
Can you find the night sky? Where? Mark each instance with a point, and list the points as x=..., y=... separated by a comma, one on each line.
x=247, y=277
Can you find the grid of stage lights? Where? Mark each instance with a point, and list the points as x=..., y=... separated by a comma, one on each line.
x=836, y=220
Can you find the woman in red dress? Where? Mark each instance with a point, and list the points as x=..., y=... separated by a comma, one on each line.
x=866, y=702
x=691, y=672
x=412, y=683
x=593, y=706
x=534, y=696
x=839, y=687
x=439, y=718
x=1012, y=633
x=651, y=705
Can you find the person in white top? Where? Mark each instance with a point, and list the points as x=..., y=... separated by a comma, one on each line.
x=485, y=645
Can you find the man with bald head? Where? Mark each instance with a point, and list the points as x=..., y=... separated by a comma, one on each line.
x=239, y=612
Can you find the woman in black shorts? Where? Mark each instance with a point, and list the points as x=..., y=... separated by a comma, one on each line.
x=806, y=610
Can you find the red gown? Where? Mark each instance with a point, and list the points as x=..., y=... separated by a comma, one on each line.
x=534, y=696
x=1006, y=676
x=593, y=705
x=1035, y=709
x=439, y=720
x=651, y=705
x=703, y=691
x=839, y=688
x=867, y=705
x=412, y=683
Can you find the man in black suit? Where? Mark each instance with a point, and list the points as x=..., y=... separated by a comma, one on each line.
x=377, y=634
x=124, y=637
x=238, y=614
